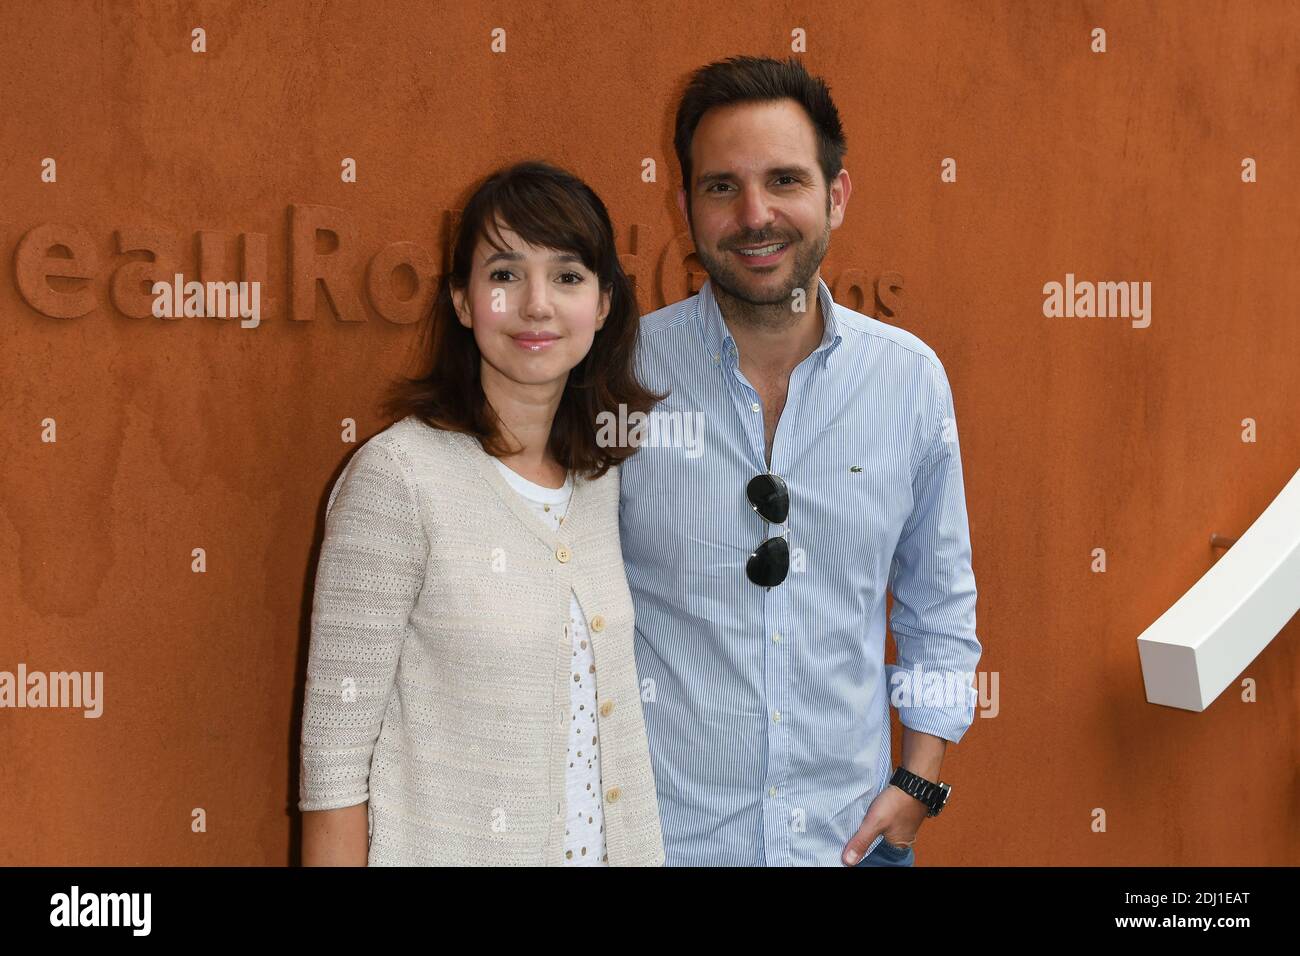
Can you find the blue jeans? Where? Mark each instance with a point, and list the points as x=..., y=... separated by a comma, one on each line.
x=886, y=854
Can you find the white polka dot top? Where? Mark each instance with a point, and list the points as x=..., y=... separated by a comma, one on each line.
x=584, y=829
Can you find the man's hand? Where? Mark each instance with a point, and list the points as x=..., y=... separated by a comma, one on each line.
x=896, y=814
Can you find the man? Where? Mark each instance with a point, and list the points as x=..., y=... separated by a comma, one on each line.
x=759, y=628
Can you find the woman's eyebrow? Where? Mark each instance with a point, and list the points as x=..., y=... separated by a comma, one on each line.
x=519, y=256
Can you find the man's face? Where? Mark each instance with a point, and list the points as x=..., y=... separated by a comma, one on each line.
x=756, y=182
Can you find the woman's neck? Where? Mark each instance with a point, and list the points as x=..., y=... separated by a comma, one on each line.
x=526, y=413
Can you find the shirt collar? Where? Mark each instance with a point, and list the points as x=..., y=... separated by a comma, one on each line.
x=722, y=346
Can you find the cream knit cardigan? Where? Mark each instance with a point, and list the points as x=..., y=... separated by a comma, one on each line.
x=439, y=667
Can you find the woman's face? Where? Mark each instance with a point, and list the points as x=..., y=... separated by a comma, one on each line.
x=534, y=311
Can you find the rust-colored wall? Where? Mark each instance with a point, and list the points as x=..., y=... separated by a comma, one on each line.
x=1077, y=433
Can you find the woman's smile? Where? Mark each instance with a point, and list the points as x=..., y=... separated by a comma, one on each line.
x=535, y=341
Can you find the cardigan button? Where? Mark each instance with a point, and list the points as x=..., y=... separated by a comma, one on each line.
x=597, y=623
x=606, y=708
x=562, y=554
x=612, y=794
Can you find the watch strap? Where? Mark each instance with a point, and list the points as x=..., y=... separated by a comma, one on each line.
x=933, y=795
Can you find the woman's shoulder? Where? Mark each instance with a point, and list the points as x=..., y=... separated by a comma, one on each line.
x=412, y=438
x=413, y=450
x=603, y=489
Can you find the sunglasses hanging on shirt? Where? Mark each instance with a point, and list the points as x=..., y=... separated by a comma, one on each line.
x=770, y=498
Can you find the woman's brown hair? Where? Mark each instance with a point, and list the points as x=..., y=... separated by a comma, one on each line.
x=551, y=208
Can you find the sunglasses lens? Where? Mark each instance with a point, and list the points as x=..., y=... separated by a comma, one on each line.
x=770, y=563
x=770, y=497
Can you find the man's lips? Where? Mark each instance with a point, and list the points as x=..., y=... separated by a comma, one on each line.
x=762, y=260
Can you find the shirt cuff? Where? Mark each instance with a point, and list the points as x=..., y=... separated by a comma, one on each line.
x=938, y=702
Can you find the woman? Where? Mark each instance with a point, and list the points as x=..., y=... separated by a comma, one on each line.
x=472, y=696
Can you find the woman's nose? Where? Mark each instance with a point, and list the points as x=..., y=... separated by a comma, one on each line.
x=538, y=305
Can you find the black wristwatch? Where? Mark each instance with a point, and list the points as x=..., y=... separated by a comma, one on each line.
x=933, y=795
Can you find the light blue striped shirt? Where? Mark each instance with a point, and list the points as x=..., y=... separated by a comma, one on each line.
x=767, y=709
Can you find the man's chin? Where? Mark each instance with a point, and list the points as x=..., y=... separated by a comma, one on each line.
x=759, y=290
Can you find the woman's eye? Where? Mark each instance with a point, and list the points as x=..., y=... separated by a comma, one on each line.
x=506, y=273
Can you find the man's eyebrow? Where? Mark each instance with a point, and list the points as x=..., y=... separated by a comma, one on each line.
x=801, y=172
x=512, y=256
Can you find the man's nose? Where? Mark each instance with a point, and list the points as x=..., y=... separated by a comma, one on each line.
x=756, y=213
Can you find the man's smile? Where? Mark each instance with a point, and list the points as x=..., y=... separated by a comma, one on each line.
x=762, y=255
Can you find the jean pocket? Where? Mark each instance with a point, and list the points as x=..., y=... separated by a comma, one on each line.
x=891, y=852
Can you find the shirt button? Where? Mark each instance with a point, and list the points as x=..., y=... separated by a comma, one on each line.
x=772, y=792
x=756, y=407
x=597, y=623
x=562, y=554
x=606, y=708
x=612, y=794
x=776, y=637
x=776, y=716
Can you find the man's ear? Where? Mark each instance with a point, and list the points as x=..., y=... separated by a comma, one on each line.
x=462, y=308
x=841, y=187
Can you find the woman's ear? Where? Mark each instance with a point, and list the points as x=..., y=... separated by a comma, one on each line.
x=462, y=308
x=604, y=310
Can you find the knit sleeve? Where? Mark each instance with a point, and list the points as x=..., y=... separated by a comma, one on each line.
x=371, y=570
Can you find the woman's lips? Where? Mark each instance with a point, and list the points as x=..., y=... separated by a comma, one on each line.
x=534, y=343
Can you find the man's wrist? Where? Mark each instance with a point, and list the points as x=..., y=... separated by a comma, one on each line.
x=932, y=794
x=927, y=770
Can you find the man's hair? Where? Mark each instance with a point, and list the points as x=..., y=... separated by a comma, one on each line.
x=551, y=208
x=746, y=79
